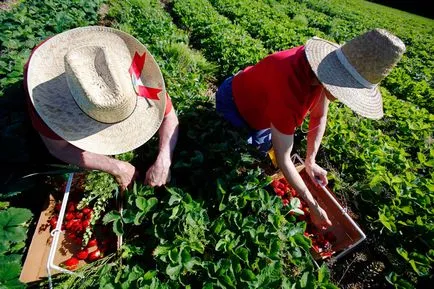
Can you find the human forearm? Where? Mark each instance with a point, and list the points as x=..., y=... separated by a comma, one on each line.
x=294, y=179
x=282, y=145
x=159, y=173
x=168, y=135
x=64, y=151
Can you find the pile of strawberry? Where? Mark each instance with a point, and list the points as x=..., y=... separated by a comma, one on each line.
x=75, y=223
x=321, y=242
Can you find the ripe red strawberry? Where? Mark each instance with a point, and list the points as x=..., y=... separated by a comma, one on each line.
x=86, y=211
x=69, y=224
x=91, y=243
x=76, y=226
x=57, y=207
x=69, y=216
x=279, y=192
x=82, y=255
x=95, y=255
x=79, y=215
x=53, y=222
x=85, y=223
x=71, y=263
x=70, y=207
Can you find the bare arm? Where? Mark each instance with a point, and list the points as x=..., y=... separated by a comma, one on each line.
x=283, y=144
x=317, y=126
x=64, y=151
x=159, y=173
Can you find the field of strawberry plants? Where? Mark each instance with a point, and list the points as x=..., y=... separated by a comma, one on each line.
x=219, y=222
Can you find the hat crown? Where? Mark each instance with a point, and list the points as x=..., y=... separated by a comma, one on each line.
x=374, y=54
x=98, y=84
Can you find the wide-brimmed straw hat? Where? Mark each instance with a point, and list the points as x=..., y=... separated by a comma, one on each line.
x=98, y=88
x=353, y=71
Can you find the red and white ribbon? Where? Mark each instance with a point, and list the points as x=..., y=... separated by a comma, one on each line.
x=135, y=71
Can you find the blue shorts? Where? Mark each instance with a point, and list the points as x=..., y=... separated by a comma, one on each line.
x=226, y=107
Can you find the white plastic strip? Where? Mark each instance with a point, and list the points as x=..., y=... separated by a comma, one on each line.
x=56, y=233
x=344, y=61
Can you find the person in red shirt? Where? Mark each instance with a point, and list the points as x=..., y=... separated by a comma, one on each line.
x=94, y=92
x=273, y=97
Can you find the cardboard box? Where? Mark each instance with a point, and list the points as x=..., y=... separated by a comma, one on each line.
x=36, y=262
x=35, y=265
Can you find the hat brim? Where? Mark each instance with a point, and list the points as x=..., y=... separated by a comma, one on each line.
x=52, y=100
x=339, y=82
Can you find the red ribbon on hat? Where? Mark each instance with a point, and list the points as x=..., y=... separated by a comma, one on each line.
x=135, y=71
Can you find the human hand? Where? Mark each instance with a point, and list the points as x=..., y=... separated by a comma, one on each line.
x=159, y=173
x=316, y=173
x=319, y=217
x=125, y=174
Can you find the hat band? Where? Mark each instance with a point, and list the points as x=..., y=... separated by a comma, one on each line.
x=344, y=61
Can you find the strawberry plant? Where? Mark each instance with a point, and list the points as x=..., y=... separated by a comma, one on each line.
x=13, y=234
x=220, y=40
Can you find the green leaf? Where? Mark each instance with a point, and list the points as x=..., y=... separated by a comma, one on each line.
x=111, y=217
x=247, y=275
x=190, y=264
x=149, y=275
x=243, y=254
x=128, y=216
x=9, y=274
x=141, y=203
x=14, y=217
x=386, y=223
x=118, y=227
x=323, y=274
x=173, y=271
x=161, y=250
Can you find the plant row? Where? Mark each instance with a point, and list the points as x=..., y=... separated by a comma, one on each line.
x=24, y=26
x=342, y=20
x=388, y=155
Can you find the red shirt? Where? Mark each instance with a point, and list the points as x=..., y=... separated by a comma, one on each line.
x=37, y=122
x=277, y=90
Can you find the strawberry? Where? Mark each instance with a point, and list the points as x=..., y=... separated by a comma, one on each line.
x=79, y=215
x=280, y=185
x=71, y=263
x=86, y=211
x=69, y=216
x=71, y=236
x=279, y=192
x=70, y=207
x=92, y=242
x=53, y=222
x=82, y=255
x=85, y=223
x=57, y=207
x=76, y=226
x=69, y=224
x=274, y=183
x=95, y=255
x=285, y=202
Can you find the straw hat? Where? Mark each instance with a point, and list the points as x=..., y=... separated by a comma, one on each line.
x=98, y=88
x=352, y=72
